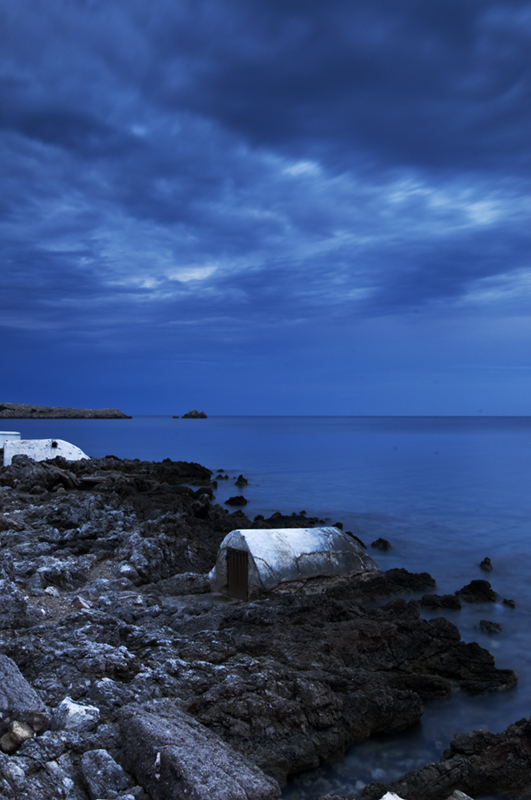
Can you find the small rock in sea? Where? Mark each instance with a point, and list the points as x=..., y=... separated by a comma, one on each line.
x=381, y=544
x=507, y=602
x=338, y=525
x=259, y=517
x=487, y=626
x=486, y=565
x=477, y=591
x=238, y=500
x=194, y=414
x=241, y=481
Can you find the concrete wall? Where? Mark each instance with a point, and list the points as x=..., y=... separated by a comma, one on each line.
x=8, y=436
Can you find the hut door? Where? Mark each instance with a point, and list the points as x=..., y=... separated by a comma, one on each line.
x=237, y=567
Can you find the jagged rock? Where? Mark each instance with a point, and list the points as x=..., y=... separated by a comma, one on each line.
x=13, y=607
x=194, y=414
x=172, y=755
x=476, y=763
x=237, y=500
x=381, y=544
x=478, y=591
x=103, y=776
x=440, y=601
x=18, y=700
x=486, y=564
x=487, y=626
x=73, y=716
x=509, y=603
x=241, y=481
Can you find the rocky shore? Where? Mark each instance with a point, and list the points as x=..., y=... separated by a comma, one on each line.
x=122, y=676
x=26, y=411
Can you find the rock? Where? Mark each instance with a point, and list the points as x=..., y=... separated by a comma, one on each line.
x=103, y=776
x=18, y=700
x=487, y=626
x=509, y=603
x=476, y=763
x=486, y=565
x=194, y=414
x=13, y=608
x=440, y=601
x=238, y=500
x=75, y=717
x=241, y=481
x=477, y=591
x=172, y=755
x=381, y=544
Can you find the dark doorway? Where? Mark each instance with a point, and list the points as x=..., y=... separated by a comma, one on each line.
x=237, y=565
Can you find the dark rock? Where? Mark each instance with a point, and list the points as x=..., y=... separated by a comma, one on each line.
x=477, y=763
x=440, y=601
x=103, y=776
x=486, y=565
x=194, y=414
x=241, y=481
x=477, y=591
x=238, y=500
x=13, y=607
x=18, y=700
x=509, y=603
x=487, y=626
x=172, y=755
x=381, y=544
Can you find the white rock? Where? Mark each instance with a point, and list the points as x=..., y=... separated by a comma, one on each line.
x=73, y=716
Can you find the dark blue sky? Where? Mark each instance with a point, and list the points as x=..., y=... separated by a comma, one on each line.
x=266, y=206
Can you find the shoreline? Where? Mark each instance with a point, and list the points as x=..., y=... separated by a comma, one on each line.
x=26, y=411
x=106, y=602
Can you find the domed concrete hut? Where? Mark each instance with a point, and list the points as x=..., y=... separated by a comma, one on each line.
x=250, y=561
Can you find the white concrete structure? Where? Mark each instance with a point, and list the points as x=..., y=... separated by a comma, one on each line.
x=251, y=561
x=8, y=436
x=41, y=450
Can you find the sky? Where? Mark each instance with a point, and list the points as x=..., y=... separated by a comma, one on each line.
x=266, y=206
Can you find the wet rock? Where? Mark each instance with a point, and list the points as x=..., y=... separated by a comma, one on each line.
x=103, y=776
x=381, y=544
x=73, y=716
x=440, y=601
x=18, y=700
x=237, y=500
x=172, y=755
x=487, y=626
x=476, y=763
x=486, y=565
x=509, y=603
x=241, y=481
x=478, y=591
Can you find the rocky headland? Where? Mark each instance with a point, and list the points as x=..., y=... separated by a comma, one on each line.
x=123, y=677
x=27, y=411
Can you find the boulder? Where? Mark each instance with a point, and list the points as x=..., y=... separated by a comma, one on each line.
x=18, y=700
x=174, y=757
x=103, y=776
x=75, y=717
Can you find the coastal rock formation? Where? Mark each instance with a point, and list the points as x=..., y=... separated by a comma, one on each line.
x=477, y=763
x=194, y=414
x=106, y=612
x=26, y=411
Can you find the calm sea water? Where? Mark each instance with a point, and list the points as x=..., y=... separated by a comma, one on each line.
x=445, y=491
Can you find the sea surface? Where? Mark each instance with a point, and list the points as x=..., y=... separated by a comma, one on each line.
x=445, y=491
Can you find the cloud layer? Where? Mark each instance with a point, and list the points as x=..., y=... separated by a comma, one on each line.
x=202, y=178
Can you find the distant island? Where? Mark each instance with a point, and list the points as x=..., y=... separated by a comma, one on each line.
x=26, y=411
x=193, y=414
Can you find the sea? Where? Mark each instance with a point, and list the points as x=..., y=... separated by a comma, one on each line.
x=445, y=492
